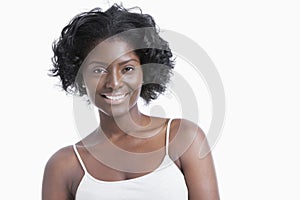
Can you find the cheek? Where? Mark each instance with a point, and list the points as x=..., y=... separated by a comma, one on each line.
x=136, y=86
x=134, y=81
x=135, y=96
x=92, y=84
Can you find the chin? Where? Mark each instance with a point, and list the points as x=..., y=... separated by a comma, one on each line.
x=117, y=111
x=114, y=113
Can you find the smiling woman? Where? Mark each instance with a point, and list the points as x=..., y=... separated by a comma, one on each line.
x=112, y=76
x=113, y=58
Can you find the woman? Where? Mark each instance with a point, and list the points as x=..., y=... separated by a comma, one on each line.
x=113, y=58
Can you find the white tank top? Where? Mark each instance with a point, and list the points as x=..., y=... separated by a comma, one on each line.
x=164, y=183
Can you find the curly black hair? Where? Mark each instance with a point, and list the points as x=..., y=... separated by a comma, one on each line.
x=87, y=29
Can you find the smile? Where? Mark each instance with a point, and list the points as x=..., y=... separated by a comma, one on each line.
x=114, y=98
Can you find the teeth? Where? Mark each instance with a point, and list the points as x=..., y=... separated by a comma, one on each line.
x=116, y=97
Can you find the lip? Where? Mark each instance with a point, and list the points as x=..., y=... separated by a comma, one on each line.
x=114, y=98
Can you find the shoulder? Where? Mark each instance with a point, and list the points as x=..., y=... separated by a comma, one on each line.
x=183, y=135
x=62, y=161
x=61, y=174
x=62, y=155
x=186, y=129
x=196, y=163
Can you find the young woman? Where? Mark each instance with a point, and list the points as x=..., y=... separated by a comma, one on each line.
x=113, y=58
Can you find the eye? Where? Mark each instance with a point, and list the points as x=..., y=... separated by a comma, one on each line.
x=128, y=68
x=99, y=70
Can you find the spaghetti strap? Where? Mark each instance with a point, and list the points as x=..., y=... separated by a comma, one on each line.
x=168, y=135
x=79, y=158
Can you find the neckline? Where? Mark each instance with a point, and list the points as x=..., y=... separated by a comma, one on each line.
x=167, y=161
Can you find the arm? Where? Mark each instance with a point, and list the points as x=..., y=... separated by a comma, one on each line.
x=56, y=180
x=199, y=170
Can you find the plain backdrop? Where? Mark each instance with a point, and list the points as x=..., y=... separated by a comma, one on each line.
x=255, y=46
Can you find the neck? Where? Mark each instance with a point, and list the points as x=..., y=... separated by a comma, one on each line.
x=115, y=126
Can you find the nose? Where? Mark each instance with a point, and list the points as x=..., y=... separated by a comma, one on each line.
x=114, y=78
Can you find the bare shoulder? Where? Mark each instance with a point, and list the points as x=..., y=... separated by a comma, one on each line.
x=186, y=130
x=63, y=165
x=60, y=174
x=62, y=159
x=196, y=163
x=184, y=133
x=188, y=127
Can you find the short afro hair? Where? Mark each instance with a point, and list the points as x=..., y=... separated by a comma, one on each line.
x=87, y=29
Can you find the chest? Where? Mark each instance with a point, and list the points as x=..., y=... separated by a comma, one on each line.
x=166, y=182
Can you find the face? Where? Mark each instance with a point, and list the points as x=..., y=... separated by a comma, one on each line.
x=113, y=77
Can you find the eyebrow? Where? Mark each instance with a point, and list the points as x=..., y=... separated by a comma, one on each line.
x=99, y=63
x=127, y=61
x=106, y=65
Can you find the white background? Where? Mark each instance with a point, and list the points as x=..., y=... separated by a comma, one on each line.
x=255, y=46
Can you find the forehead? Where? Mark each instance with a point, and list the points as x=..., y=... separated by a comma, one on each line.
x=109, y=50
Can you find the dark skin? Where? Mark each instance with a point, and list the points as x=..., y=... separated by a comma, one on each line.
x=113, y=85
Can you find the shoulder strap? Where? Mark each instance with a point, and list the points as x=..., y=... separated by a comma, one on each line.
x=79, y=158
x=167, y=136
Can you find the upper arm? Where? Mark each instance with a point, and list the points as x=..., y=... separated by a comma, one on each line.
x=197, y=165
x=56, y=180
